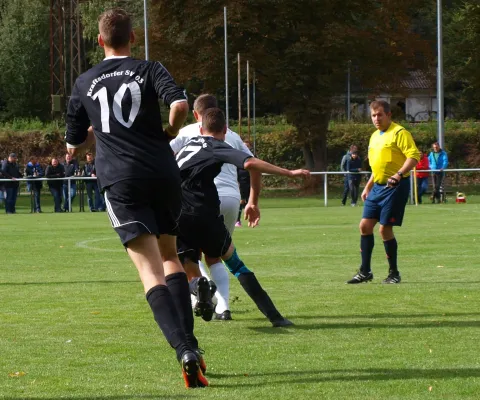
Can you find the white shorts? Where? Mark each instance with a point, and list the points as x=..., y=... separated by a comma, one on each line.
x=229, y=207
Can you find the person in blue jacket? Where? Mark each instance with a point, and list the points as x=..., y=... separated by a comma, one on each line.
x=438, y=160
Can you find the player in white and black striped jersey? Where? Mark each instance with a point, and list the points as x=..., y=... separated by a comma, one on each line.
x=228, y=192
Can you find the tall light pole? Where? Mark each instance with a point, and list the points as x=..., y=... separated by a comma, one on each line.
x=440, y=94
x=145, y=23
x=226, y=61
x=348, y=90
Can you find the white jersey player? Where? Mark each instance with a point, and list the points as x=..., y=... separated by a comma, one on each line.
x=228, y=191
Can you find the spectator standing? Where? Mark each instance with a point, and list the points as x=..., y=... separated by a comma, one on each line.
x=354, y=164
x=343, y=168
x=422, y=177
x=71, y=169
x=34, y=170
x=438, y=159
x=94, y=203
x=10, y=170
x=55, y=170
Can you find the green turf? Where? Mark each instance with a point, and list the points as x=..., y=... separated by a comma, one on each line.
x=75, y=324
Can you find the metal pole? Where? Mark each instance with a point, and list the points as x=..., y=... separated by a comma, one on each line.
x=69, y=195
x=226, y=63
x=254, y=119
x=348, y=91
x=325, y=190
x=440, y=103
x=145, y=22
x=239, y=97
x=248, y=100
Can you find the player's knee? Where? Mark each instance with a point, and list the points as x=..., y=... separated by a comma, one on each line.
x=236, y=266
x=386, y=232
x=366, y=227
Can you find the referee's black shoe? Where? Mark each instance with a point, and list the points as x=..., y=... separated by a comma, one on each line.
x=204, y=306
x=361, y=277
x=392, y=278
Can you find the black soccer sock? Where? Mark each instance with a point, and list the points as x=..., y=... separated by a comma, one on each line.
x=239, y=214
x=366, y=248
x=164, y=312
x=179, y=288
x=391, y=247
x=253, y=288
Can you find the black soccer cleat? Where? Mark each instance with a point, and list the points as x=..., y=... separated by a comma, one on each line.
x=213, y=287
x=392, y=278
x=204, y=306
x=281, y=322
x=191, y=371
x=224, y=316
x=361, y=277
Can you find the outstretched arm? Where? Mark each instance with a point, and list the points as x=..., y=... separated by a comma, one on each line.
x=261, y=166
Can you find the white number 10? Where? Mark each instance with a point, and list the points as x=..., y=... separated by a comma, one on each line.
x=117, y=105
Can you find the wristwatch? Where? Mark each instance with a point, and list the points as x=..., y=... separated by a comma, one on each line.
x=400, y=174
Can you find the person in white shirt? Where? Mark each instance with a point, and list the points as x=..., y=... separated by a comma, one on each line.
x=228, y=191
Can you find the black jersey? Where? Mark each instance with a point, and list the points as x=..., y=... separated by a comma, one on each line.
x=200, y=161
x=119, y=98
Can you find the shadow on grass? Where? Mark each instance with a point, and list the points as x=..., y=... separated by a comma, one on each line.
x=379, y=316
x=373, y=325
x=101, y=282
x=344, y=375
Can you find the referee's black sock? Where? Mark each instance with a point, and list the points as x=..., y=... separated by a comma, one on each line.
x=391, y=247
x=366, y=248
x=179, y=288
x=164, y=312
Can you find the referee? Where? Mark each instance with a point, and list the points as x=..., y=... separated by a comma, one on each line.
x=136, y=168
x=392, y=153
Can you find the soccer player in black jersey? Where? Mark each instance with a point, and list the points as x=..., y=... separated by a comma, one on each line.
x=201, y=224
x=135, y=165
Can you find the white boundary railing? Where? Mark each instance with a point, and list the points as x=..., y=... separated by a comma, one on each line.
x=325, y=181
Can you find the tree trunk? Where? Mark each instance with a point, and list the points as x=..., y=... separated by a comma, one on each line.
x=308, y=156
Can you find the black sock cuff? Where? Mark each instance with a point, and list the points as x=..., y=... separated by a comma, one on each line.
x=155, y=292
x=391, y=241
x=176, y=275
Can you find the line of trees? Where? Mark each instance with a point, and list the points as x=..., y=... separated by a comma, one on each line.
x=300, y=51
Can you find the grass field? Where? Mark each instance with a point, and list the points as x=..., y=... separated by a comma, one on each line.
x=74, y=323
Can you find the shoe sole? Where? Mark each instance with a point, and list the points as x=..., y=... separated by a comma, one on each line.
x=192, y=375
x=204, y=306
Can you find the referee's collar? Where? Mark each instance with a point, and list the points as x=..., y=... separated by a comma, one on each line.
x=114, y=57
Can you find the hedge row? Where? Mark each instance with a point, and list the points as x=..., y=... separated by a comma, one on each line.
x=277, y=142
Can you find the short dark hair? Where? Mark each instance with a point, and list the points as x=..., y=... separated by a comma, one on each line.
x=380, y=103
x=115, y=26
x=204, y=102
x=213, y=120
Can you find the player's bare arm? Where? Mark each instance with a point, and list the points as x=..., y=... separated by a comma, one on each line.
x=177, y=117
x=73, y=151
x=252, y=211
x=367, y=188
x=262, y=166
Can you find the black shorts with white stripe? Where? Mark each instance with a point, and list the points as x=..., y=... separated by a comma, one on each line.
x=136, y=207
x=202, y=234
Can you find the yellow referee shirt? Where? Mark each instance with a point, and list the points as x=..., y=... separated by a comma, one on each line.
x=387, y=152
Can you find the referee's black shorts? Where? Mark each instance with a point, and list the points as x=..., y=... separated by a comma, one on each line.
x=202, y=234
x=149, y=206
